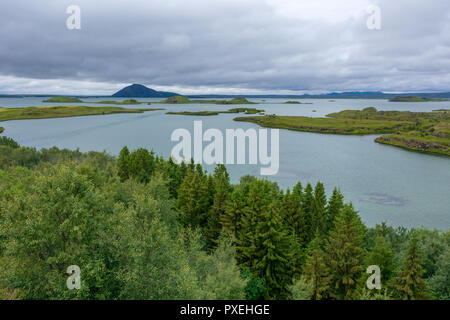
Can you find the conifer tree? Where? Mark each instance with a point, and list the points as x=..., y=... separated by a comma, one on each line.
x=259, y=197
x=194, y=199
x=316, y=272
x=222, y=189
x=271, y=257
x=172, y=172
x=232, y=217
x=382, y=256
x=335, y=205
x=344, y=255
x=142, y=165
x=123, y=164
x=307, y=205
x=318, y=209
x=409, y=284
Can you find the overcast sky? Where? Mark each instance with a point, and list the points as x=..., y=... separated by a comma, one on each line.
x=224, y=46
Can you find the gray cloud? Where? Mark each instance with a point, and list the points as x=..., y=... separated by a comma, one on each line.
x=224, y=46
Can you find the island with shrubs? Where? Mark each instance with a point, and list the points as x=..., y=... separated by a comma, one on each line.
x=7, y=114
x=427, y=132
x=215, y=113
x=415, y=99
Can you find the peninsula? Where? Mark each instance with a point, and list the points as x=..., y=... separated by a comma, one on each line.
x=427, y=132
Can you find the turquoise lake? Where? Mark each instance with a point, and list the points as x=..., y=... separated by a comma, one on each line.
x=384, y=183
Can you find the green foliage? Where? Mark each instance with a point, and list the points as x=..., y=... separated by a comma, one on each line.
x=123, y=164
x=141, y=164
x=301, y=289
x=440, y=281
x=410, y=284
x=222, y=189
x=344, y=255
x=5, y=141
x=382, y=255
x=141, y=227
x=255, y=288
x=62, y=100
x=334, y=207
x=195, y=198
x=316, y=272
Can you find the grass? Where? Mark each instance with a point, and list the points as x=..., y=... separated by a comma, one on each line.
x=63, y=100
x=442, y=110
x=417, y=141
x=7, y=114
x=427, y=132
x=2, y=129
x=414, y=99
x=184, y=100
x=326, y=125
x=215, y=113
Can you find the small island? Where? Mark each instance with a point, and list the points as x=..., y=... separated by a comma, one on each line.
x=215, y=113
x=427, y=132
x=63, y=100
x=415, y=99
x=297, y=102
x=185, y=100
x=2, y=129
x=7, y=114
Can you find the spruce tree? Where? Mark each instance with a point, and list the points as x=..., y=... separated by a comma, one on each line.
x=409, y=284
x=232, y=217
x=382, y=256
x=307, y=205
x=335, y=205
x=344, y=255
x=194, y=199
x=318, y=209
x=271, y=257
x=316, y=272
x=222, y=188
x=123, y=164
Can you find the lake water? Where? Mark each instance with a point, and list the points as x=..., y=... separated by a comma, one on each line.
x=384, y=183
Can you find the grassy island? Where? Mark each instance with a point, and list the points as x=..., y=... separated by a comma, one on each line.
x=427, y=132
x=297, y=102
x=2, y=129
x=7, y=114
x=63, y=100
x=215, y=113
x=185, y=100
x=415, y=99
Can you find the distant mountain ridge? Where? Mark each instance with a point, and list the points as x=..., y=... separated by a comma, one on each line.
x=140, y=91
x=333, y=95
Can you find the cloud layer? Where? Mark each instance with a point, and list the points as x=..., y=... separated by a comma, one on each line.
x=224, y=46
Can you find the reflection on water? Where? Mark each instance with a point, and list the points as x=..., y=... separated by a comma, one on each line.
x=384, y=199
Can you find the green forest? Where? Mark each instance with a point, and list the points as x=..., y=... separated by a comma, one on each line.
x=143, y=227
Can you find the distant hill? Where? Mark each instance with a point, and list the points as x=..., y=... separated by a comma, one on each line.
x=140, y=91
x=333, y=95
x=415, y=99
